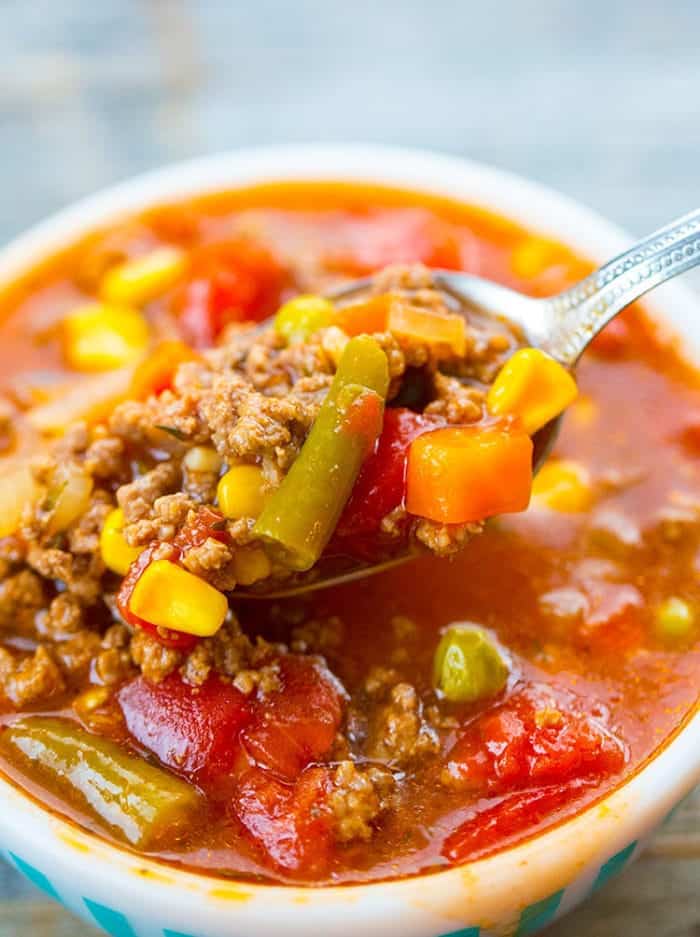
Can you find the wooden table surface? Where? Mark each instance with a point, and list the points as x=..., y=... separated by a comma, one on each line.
x=600, y=99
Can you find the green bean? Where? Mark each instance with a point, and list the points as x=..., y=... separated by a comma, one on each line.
x=136, y=799
x=300, y=516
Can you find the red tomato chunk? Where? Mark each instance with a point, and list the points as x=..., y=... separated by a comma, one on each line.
x=297, y=724
x=232, y=281
x=288, y=822
x=191, y=729
x=534, y=738
x=381, y=485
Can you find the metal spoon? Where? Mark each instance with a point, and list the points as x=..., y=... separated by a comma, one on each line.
x=562, y=325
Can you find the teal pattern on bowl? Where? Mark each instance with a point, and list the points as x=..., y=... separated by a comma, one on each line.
x=532, y=918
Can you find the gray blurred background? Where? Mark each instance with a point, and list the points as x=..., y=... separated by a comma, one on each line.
x=598, y=98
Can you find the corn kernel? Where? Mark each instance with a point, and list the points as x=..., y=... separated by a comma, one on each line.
x=563, y=486
x=250, y=564
x=302, y=316
x=91, y=699
x=241, y=492
x=136, y=282
x=532, y=386
x=533, y=256
x=171, y=597
x=202, y=459
x=102, y=337
x=116, y=552
x=674, y=619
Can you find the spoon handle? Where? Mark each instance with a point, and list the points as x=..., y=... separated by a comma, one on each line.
x=573, y=318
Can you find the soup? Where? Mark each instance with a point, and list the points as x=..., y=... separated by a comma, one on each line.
x=510, y=675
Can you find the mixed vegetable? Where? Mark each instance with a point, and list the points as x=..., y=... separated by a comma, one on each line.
x=213, y=427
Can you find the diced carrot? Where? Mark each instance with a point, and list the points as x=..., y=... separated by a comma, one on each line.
x=468, y=473
x=364, y=318
x=444, y=333
x=156, y=373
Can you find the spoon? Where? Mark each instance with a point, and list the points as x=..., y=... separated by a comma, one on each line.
x=563, y=326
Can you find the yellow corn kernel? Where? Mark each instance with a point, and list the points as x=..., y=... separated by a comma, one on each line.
x=170, y=597
x=138, y=281
x=532, y=386
x=102, y=337
x=533, y=256
x=91, y=699
x=202, y=459
x=563, y=485
x=674, y=619
x=250, y=564
x=116, y=552
x=241, y=492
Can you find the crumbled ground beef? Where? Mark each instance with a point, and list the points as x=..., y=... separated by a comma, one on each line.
x=30, y=679
x=155, y=660
x=359, y=795
x=21, y=597
x=253, y=400
x=400, y=731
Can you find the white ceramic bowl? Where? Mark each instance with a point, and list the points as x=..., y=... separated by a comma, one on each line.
x=514, y=892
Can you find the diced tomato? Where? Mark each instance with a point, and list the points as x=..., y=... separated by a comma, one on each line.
x=297, y=724
x=173, y=639
x=288, y=821
x=535, y=738
x=381, y=485
x=207, y=524
x=232, y=281
x=407, y=235
x=193, y=730
x=493, y=827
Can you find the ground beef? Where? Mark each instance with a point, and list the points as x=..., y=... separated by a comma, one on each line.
x=114, y=663
x=230, y=652
x=455, y=401
x=81, y=574
x=21, y=597
x=155, y=660
x=31, y=679
x=399, y=731
x=64, y=617
x=77, y=652
x=213, y=561
x=246, y=425
x=167, y=514
x=105, y=457
x=137, y=499
x=359, y=795
x=444, y=539
x=84, y=535
x=254, y=400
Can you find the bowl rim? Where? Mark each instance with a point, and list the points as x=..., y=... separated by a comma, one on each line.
x=539, y=865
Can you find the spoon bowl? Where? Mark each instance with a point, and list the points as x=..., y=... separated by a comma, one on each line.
x=562, y=326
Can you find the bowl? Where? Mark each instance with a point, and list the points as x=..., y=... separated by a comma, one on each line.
x=517, y=891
